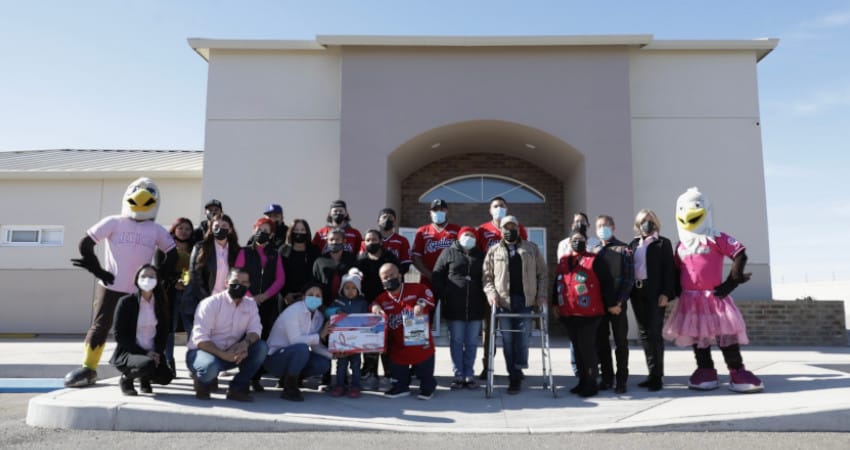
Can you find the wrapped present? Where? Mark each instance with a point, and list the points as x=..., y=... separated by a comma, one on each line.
x=357, y=333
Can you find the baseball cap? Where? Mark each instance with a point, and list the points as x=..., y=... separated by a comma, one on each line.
x=439, y=203
x=338, y=204
x=213, y=202
x=508, y=219
x=273, y=208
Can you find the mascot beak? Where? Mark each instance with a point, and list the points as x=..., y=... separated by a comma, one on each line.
x=691, y=219
x=141, y=201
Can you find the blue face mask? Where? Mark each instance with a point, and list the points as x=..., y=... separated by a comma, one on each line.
x=604, y=233
x=438, y=217
x=313, y=303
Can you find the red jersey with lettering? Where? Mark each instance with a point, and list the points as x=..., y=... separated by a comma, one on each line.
x=578, y=289
x=410, y=295
x=352, y=242
x=489, y=235
x=430, y=242
x=396, y=244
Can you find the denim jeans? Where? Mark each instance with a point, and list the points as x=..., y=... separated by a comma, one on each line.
x=515, y=344
x=463, y=344
x=424, y=372
x=295, y=360
x=207, y=366
x=342, y=365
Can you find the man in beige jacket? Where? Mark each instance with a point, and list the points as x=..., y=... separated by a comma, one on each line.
x=515, y=281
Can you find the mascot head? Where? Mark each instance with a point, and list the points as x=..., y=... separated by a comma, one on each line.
x=693, y=218
x=141, y=200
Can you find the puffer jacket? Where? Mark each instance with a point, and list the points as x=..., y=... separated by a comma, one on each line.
x=457, y=281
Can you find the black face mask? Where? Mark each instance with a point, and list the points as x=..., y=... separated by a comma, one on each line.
x=299, y=238
x=373, y=248
x=511, y=235
x=338, y=218
x=392, y=284
x=262, y=237
x=387, y=225
x=580, y=228
x=333, y=248
x=236, y=290
x=220, y=233
x=578, y=246
x=210, y=216
x=647, y=227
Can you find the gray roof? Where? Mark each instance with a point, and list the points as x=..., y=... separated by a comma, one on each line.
x=75, y=163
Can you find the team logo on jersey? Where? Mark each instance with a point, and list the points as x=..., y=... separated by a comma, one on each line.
x=434, y=246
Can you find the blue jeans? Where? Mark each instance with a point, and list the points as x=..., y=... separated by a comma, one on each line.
x=424, y=371
x=463, y=344
x=342, y=370
x=207, y=366
x=295, y=360
x=515, y=344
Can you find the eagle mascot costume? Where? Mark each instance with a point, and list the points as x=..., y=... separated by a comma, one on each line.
x=130, y=240
x=705, y=314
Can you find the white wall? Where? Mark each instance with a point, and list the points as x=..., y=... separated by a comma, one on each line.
x=695, y=123
x=272, y=134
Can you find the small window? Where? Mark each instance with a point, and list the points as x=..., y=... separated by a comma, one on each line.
x=482, y=188
x=32, y=236
x=538, y=236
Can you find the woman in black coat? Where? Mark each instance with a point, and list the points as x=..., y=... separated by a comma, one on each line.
x=655, y=284
x=141, y=327
x=457, y=282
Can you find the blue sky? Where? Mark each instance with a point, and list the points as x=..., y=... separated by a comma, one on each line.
x=119, y=74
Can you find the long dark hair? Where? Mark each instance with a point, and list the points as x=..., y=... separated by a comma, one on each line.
x=292, y=230
x=207, y=245
x=173, y=230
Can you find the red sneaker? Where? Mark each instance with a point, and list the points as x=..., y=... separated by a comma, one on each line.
x=354, y=392
x=744, y=381
x=338, y=391
x=703, y=380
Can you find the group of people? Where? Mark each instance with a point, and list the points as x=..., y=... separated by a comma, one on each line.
x=264, y=307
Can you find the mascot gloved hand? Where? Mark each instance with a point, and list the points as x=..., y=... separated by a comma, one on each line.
x=705, y=314
x=131, y=240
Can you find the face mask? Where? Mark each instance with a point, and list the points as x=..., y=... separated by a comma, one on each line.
x=580, y=228
x=338, y=218
x=647, y=227
x=333, y=248
x=578, y=246
x=236, y=290
x=604, y=233
x=210, y=216
x=438, y=217
x=498, y=213
x=146, y=283
x=373, y=248
x=511, y=235
x=220, y=233
x=467, y=242
x=392, y=285
x=387, y=225
x=312, y=303
x=262, y=237
x=299, y=238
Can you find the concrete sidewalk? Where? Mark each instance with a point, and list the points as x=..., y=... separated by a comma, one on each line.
x=807, y=389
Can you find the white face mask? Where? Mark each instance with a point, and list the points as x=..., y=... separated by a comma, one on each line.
x=498, y=213
x=146, y=284
x=438, y=217
x=604, y=233
x=466, y=241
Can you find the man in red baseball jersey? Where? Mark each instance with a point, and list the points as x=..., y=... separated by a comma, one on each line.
x=431, y=239
x=393, y=242
x=338, y=218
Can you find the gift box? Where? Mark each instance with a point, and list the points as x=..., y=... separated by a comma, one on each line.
x=357, y=333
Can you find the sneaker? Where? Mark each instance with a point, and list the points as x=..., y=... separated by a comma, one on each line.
x=375, y=383
x=655, y=384
x=354, y=392
x=397, y=391
x=703, y=379
x=743, y=381
x=239, y=396
x=457, y=384
x=470, y=383
x=338, y=391
x=257, y=386
x=514, y=386
x=425, y=395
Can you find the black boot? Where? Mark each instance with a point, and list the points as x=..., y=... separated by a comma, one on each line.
x=290, y=389
x=127, y=386
x=145, y=386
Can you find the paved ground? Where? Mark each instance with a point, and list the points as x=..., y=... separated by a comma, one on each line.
x=808, y=389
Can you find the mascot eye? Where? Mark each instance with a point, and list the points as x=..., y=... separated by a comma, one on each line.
x=152, y=191
x=698, y=205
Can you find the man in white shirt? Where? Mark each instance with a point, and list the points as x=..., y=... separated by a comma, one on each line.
x=226, y=334
x=295, y=344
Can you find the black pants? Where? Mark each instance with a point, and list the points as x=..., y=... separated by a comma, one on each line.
x=370, y=364
x=269, y=310
x=486, y=330
x=138, y=366
x=103, y=310
x=731, y=355
x=650, y=320
x=619, y=325
x=583, y=334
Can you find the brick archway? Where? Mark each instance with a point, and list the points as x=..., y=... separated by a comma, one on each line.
x=549, y=214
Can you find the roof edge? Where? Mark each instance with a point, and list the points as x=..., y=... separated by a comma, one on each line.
x=762, y=46
x=484, y=41
x=97, y=175
x=202, y=46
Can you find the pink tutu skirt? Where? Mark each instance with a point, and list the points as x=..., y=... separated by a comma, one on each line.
x=700, y=318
